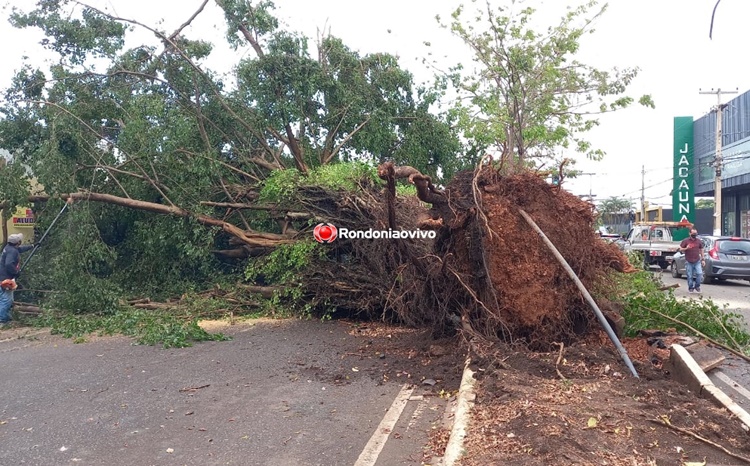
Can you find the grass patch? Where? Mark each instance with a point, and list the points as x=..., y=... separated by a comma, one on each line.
x=645, y=307
x=170, y=329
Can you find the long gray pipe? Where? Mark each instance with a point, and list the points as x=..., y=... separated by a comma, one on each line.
x=589, y=299
x=39, y=243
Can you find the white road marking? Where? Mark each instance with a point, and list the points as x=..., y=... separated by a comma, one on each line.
x=735, y=385
x=417, y=411
x=369, y=455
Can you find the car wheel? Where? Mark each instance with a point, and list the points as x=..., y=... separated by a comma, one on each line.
x=706, y=279
x=675, y=272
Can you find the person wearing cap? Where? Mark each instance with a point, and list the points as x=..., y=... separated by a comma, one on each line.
x=10, y=266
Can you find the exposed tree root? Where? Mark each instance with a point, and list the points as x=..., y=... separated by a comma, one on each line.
x=664, y=421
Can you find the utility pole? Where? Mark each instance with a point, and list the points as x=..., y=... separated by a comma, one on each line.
x=591, y=194
x=717, y=159
x=643, y=193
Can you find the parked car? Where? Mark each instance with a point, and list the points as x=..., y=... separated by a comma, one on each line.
x=726, y=257
x=606, y=235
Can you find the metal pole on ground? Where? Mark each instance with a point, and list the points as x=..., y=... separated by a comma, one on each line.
x=589, y=299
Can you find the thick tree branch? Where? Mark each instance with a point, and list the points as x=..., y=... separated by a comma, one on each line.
x=260, y=161
x=253, y=41
x=239, y=205
x=251, y=238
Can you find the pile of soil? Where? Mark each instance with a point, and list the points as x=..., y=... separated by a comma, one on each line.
x=488, y=271
x=594, y=413
x=536, y=301
x=590, y=413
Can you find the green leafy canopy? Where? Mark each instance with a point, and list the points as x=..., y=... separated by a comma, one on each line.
x=528, y=98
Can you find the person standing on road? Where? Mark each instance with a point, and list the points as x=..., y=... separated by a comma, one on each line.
x=10, y=265
x=694, y=262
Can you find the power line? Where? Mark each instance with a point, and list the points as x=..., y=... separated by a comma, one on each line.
x=692, y=171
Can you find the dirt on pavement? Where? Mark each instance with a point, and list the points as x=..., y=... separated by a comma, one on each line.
x=593, y=412
x=584, y=408
x=579, y=406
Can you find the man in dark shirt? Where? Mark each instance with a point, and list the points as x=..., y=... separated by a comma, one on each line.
x=10, y=266
x=692, y=247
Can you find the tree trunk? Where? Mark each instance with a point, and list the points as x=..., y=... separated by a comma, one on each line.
x=249, y=237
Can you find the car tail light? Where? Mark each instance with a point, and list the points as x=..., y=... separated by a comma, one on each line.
x=714, y=252
x=734, y=238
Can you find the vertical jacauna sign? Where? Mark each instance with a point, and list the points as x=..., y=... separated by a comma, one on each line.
x=683, y=199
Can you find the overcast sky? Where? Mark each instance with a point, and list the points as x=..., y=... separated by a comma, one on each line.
x=667, y=39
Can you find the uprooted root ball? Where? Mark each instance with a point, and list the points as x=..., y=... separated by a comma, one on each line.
x=487, y=272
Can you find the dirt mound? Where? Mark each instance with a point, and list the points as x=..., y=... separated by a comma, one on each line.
x=536, y=299
x=543, y=409
x=495, y=273
x=486, y=272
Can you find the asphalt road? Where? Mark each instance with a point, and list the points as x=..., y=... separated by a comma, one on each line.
x=280, y=393
x=733, y=376
x=734, y=294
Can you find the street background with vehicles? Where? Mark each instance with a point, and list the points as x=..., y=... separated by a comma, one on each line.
x=657, y=242
x=726, y=257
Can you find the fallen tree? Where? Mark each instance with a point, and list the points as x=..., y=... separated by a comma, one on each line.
x=245, y=172
x=486, y=271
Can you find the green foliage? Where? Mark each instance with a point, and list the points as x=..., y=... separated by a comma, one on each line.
x=615, y=205
x=76, y=264
x=529, y=96
x=281, y=185
x=406, y=190
x=241, y=13
x=352, y=107
x=283, y=264
x=614, y=210
x=642, y=298
x=348, y=176
x=283, y=267
x=171, y=330
x=72, y=37
x=704, y=204
x=15, y=186
x=161, y=256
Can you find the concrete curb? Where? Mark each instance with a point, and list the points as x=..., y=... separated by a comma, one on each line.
x=685, y=370
x=464, y=402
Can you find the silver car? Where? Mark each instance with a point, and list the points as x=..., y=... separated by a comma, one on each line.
x=726, y=257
